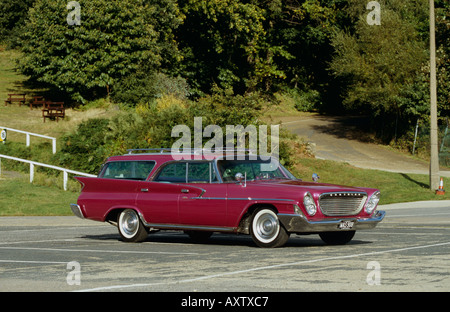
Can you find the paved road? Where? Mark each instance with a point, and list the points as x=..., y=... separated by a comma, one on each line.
x=339, y=139
x=409, y=251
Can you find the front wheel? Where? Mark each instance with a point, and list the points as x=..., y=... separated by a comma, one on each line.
x=130, y=227
x=266, y=229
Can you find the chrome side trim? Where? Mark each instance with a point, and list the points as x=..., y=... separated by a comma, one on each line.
x=269, y=199
x=76, y=210
x=245, y=198
x=164, y=226
x=217, y=198
x=202, y=191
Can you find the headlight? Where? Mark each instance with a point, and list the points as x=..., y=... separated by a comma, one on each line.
x=309, y=204
x=373, y=202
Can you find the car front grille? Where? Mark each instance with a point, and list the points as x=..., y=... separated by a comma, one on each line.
x=342, y=203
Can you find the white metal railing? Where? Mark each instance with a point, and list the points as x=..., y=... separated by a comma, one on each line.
x=33, y=163
x=28, y=134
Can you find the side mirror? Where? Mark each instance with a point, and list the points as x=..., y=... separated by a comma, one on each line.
x=239, y=177
x=315, y=177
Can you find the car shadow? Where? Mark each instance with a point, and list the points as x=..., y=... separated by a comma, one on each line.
x=220, y=239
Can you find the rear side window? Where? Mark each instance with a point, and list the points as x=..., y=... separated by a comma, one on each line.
x=173, y=172
x=201, y=172
x=191, y=172
x=128, y=170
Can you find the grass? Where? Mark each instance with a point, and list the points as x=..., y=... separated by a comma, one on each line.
x=21, y=198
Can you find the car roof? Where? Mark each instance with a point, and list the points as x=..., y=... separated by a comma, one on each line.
x=170, y=155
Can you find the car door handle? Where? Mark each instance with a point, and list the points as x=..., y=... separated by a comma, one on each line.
x=184, y=191
x=144, y=189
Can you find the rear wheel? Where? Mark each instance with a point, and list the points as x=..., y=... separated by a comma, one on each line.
x=266, y=230
x=337, y=238
x=130, y=227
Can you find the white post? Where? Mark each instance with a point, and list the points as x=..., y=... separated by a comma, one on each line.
x=28, y=139
x=65, y=180
x=54, y=145
x=31, y=172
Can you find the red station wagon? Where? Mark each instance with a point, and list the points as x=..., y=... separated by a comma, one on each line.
x=145, y=192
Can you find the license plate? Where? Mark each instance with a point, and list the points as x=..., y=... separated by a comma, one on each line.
x=346, y=225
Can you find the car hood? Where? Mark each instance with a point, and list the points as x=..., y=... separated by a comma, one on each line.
x=312, y=187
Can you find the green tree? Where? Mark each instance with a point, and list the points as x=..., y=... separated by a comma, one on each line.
x=114, y=39
x=299, y=44
x=381, y=63
x=223, y=43
x=12, y=18
x=443, y=57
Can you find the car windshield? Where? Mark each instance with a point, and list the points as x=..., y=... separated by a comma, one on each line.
x=253, y=169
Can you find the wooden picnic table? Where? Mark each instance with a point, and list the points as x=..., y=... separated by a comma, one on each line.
x=14, y=97
x=53, y=110
x=37, y=101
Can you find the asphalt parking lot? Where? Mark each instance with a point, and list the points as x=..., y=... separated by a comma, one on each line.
x=408, y=251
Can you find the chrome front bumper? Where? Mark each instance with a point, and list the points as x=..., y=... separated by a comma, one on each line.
x=295, y=223
x=77, y=211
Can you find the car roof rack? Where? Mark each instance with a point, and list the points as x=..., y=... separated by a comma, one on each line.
x=191, y=150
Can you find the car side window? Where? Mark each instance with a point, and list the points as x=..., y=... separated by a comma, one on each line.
x=173, y=172
x=201, y=172
x=128, y=170
x=190, y=172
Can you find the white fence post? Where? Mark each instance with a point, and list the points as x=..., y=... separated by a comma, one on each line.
x=31, y=172
x=65, y=178
x=54, y=145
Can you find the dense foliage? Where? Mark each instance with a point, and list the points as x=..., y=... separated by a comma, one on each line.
x=114, y=40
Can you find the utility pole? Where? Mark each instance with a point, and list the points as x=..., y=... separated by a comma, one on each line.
x=434, y=160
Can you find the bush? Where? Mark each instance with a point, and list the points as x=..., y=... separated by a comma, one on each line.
x=223, y=108
x=84, y=150
x=145, y=88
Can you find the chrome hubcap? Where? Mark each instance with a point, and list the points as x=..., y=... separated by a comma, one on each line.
x=266, y=226
x=129, y=223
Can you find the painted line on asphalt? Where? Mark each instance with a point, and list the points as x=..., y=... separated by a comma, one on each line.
x=100, y=251
x=52, y=229
x=419, y=215
x=32, y=262
x=43, y=241
x=262, y=268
